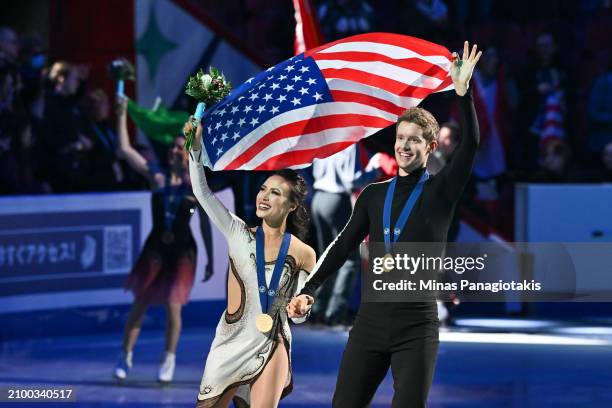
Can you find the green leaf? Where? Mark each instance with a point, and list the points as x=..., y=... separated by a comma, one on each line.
x=218, y=88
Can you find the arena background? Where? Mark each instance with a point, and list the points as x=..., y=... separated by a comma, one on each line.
x=66, y=250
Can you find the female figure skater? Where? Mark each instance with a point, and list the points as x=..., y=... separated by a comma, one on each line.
x=249, y=360
x=164, y=272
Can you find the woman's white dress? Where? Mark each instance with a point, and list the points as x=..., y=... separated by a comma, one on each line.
x=239, y=352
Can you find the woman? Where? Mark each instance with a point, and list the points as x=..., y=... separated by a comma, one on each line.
x=164, y=272
x=249, y=361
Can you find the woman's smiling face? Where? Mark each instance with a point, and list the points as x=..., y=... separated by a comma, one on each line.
x=273, y=199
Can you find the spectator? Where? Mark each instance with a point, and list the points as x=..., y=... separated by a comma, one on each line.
x=495, y=99
x=448, y=138
x=557, y=166
x=544, y=89
x=343, y=18
x=33, y=58
x=472, y=11
x=435, y=11
x=8, y=120
x=7, y=87
x=19, y=166
x=606, y=158
x=17, y=154
x=335, y=179
x=107, y=172
x=447, y=141
x=9, y=44
x=599, y=110
x=64, y=129
x=427, y=19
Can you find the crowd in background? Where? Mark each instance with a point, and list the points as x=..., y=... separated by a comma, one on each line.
x=56, y=133
x=542, y=87
x=543, y=92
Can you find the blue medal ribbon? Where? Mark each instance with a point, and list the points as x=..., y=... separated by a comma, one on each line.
x=171, y=208
x=106, y=139
x=267, y=293
x=403, y=217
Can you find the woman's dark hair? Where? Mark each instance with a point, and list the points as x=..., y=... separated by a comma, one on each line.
x=297, y=220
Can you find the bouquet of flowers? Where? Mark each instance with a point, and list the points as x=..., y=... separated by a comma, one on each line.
x=121, y=70
x=207, y=89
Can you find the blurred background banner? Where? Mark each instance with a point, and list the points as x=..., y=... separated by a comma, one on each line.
x=75, y=251
x=172, y=39
x=59, y=251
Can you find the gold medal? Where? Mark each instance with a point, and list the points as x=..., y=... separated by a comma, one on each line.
x=167, y=237
x=385, y=268
x=264, y=322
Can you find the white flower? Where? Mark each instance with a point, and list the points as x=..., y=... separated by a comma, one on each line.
x=206, y=80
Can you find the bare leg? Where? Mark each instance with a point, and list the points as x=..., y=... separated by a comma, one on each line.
x=173, y=326
x=267, y=389
x=132, y=327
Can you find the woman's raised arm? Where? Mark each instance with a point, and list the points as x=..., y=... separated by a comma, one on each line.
x=228, y=223
x=135, y=160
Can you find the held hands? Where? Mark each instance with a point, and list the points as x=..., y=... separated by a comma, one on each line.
x=462, y=69
x=197, y=140
x=299, y=306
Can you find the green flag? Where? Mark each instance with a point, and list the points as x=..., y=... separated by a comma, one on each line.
x=161, y=124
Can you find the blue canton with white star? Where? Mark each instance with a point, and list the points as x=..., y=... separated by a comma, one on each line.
x=290, y=85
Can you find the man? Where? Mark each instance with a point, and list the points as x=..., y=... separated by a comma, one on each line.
x=107, y=173
x=335, y=179
x=65, y=130
x=401, y=335
x=448, y=138
x=447, y=141
x=544, y=92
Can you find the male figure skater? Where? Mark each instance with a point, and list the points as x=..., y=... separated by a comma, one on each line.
x=403, y=335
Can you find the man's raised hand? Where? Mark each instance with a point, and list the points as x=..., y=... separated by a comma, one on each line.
x=462, y=68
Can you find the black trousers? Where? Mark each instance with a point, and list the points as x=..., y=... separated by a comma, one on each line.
x=401, y=335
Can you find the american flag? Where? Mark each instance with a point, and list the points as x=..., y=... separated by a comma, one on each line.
x=307, y=30
x=322, y=101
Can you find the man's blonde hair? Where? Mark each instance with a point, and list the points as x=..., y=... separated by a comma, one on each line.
x=424, y=119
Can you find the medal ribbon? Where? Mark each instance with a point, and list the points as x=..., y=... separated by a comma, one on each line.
x=403, y=217
x=267, y=293
x=170, y=209
x=106, y=139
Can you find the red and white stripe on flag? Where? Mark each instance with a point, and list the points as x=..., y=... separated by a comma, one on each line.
x=320, y=102
x=552, y=128
x=307, y=30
